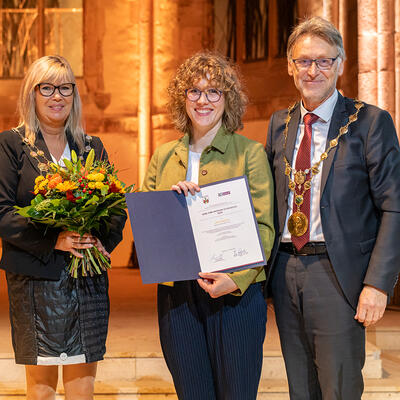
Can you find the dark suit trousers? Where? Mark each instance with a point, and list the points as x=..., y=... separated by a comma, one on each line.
x=322, y=344
x=213, y=347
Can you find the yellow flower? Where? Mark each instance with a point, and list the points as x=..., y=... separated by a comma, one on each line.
x=39, y=178
x=92, y=185
x=41, y=185
x=65, y=186
x=98, y=177
x=99, y=185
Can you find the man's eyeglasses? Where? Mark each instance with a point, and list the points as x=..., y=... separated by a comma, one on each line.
x=321, y=63
x=47, y=89
x=212, y=95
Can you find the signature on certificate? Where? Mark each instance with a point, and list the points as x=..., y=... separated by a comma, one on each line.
x=239, y=252
x=217, y=257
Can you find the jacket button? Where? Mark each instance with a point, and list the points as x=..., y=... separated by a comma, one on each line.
x=204, y=172
x=63, y=356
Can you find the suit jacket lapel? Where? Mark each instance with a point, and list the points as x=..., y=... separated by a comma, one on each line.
x=292, y=133
x=182, y=150
x=339, y=118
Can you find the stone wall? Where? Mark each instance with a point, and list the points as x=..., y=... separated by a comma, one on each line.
x=178, y=28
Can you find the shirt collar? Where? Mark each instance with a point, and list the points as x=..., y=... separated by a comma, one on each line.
x=220, y=141
x=325, y=110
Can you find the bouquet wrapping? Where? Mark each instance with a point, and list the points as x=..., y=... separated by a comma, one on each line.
x=80, y=198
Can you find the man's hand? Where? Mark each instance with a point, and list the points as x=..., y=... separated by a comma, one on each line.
x=216, y=284
x=371, y=305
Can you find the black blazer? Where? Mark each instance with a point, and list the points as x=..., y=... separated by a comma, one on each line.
x=28, y=249
x=360, y=195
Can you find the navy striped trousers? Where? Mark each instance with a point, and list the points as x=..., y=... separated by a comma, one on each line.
x=213, y=347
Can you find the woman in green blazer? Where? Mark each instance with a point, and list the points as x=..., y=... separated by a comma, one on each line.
x=212, y=330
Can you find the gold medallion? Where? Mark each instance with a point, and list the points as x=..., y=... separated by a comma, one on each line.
x=299, y=177
x=298, y=224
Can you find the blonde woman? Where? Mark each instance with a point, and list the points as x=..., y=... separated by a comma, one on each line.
x=212, y=330
x=55, y=319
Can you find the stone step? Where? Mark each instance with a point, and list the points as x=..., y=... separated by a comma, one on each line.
x=131, y=366
x=157, y=389
x=386, y=333
x=387, y=338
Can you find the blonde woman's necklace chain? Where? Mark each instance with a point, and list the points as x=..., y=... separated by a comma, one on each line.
x=39, y=155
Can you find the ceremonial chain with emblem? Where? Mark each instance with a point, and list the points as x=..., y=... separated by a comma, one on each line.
x=38, y=155
x=298, y=221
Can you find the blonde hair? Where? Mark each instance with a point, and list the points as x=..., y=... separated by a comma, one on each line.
x=221, y=73
x=48, y=69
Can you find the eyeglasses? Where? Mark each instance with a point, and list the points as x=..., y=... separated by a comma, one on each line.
x=47, y=89
x=321, y=63
x=212, y=95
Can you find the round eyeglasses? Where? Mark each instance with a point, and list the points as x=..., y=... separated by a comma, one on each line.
x=212, y=94
x=321, y=63
x=48, y=89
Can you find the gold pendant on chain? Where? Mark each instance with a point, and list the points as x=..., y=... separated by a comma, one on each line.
x=298, y=224
x=299, y=177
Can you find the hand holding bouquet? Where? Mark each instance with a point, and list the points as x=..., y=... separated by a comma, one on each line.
x=79, y=198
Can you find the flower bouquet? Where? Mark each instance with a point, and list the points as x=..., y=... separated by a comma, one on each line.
x=79, y=198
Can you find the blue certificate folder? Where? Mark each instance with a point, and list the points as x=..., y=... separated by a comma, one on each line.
x=163, y=235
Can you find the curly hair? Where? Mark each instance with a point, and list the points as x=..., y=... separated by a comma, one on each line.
x=221, y=73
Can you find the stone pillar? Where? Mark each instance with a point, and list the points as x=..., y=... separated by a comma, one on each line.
x=307, y=8
x=397, y=64
x=331, y=11
x=385, y=61
x=145, y=87
x=367, y=51
x=167, y=42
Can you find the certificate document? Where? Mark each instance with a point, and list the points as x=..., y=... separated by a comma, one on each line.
x=177, y=237
x=224, y=226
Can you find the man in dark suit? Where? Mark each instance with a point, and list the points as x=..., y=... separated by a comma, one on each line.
x=336, y=165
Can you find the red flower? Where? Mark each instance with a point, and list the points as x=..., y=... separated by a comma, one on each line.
x=113, y=188
x=70, y=196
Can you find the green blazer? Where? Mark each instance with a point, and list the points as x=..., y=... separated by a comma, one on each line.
x=228, y=156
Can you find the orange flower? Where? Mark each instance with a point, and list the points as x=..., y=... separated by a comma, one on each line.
x=54, y=181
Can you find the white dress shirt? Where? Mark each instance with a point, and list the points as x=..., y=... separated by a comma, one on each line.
x=318, y=145
x=66, y=154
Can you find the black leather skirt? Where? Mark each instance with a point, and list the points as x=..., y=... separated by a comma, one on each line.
x=58, y=322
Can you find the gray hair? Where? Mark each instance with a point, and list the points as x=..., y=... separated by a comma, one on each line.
x=316, y=26
x=49, y=69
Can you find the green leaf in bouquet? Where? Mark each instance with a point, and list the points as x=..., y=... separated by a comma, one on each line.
x=37, y=199
x=68, y=164
x=104, y=190
x=122, y=199
x=46, y=204
x=23, y=211
x=93, y=200
x=102, y=213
